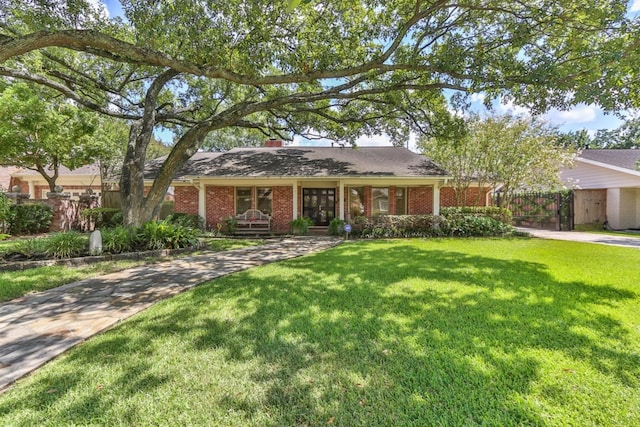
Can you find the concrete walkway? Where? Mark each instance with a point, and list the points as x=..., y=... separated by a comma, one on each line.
x=577, y=236
x=36, y=328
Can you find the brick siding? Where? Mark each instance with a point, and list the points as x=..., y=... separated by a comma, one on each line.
x=220, y=202
x=448, y=197
x=368, y=197
x=420, y=200
x=282, y=208
x=186, y=200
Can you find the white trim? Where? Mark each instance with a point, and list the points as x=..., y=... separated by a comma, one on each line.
x=436, y=200
x=202, y=201
x=341, y=200
x=608, y=166
x=295, y=200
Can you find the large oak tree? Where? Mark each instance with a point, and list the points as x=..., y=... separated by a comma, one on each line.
x=333, y=68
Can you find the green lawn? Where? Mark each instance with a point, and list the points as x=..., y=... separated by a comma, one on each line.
x=396, y=333
x=14, y=284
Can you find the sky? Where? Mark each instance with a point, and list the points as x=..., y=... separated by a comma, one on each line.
x=588, y=117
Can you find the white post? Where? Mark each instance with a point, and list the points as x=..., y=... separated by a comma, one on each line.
x=32, y=190
x=202, y=201
x=341, y=202
x=436, y=199
x=295, y=200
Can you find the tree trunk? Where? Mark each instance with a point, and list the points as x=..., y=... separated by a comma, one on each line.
x=138, y=207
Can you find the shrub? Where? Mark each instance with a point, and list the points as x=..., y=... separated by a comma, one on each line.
x=103, y=217
x=336, y=227
x=499, y=214
x=5, y=205
x=474, y=225
x=65, y=245
x=398, y=226
x=231, y=225
x=118, y=239
x=300, y=225
x=30, y=248
x=30, y=218
x=186, y=220
x=164, y=235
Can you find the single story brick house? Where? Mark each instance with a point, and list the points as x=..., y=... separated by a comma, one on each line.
x=5, y=177
x=607, y=187
x=74, y=182
x=320, y=183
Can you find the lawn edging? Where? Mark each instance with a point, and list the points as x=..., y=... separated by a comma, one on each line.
x=78, y=261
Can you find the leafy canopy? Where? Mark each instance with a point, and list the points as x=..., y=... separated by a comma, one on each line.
x=515, y=153
x=336, y=69
x=42, y=131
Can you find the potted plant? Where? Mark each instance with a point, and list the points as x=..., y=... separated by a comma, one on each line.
x=300, y=225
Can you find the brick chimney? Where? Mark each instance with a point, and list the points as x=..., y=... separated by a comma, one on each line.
x=272, y=142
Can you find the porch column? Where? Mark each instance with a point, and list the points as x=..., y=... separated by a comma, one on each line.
x=202, y=201
x=436, y=199
x=341, y=202
x=295, y=200
x=32, y=190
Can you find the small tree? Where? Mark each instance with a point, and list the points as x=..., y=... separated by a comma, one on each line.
x=4, y=211
x=41, y=132
x=514, y=152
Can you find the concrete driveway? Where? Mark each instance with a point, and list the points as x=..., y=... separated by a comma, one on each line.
x=578, y=236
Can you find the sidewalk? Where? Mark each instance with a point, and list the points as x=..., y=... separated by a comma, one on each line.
x=577, y=236
x=36, y=328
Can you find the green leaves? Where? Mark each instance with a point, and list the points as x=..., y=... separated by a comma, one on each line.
x=42, y=132
x=516, y=153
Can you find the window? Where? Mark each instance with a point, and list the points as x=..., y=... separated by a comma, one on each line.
x=380, y=198
x=243, y=199
x=356, y=201
x=264, y=200
x=401, y=201
x=249, y=197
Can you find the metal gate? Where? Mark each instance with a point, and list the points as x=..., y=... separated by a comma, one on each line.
x=552, y=211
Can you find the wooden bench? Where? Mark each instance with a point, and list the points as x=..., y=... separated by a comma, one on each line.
x=253, y=221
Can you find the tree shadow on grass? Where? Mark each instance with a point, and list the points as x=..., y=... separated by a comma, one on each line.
x=442, y=338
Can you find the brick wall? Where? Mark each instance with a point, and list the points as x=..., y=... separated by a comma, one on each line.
x=392, y=200
x=220, y=202
x=186, y=200
x=282, y=208
x=24, y=185
x=420, y=200
x=448, y=197
x=368, y=197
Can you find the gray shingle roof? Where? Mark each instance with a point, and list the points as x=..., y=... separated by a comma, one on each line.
x=307, y=162
x=621, y=158
x=91, y=169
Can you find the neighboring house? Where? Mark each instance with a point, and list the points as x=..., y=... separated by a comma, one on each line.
x=607, y=188
x=5, y=177
x=321, y=183
x=75, y=181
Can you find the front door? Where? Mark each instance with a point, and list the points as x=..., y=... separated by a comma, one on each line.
x=319, y=204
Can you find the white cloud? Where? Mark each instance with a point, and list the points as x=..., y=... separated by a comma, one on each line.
x=100, y=6
x=578, y=114
x=479, y=97
x=511, y=108
x=635, y=6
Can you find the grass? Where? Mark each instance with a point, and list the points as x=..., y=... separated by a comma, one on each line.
x=385, y=333
x=14, y=284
